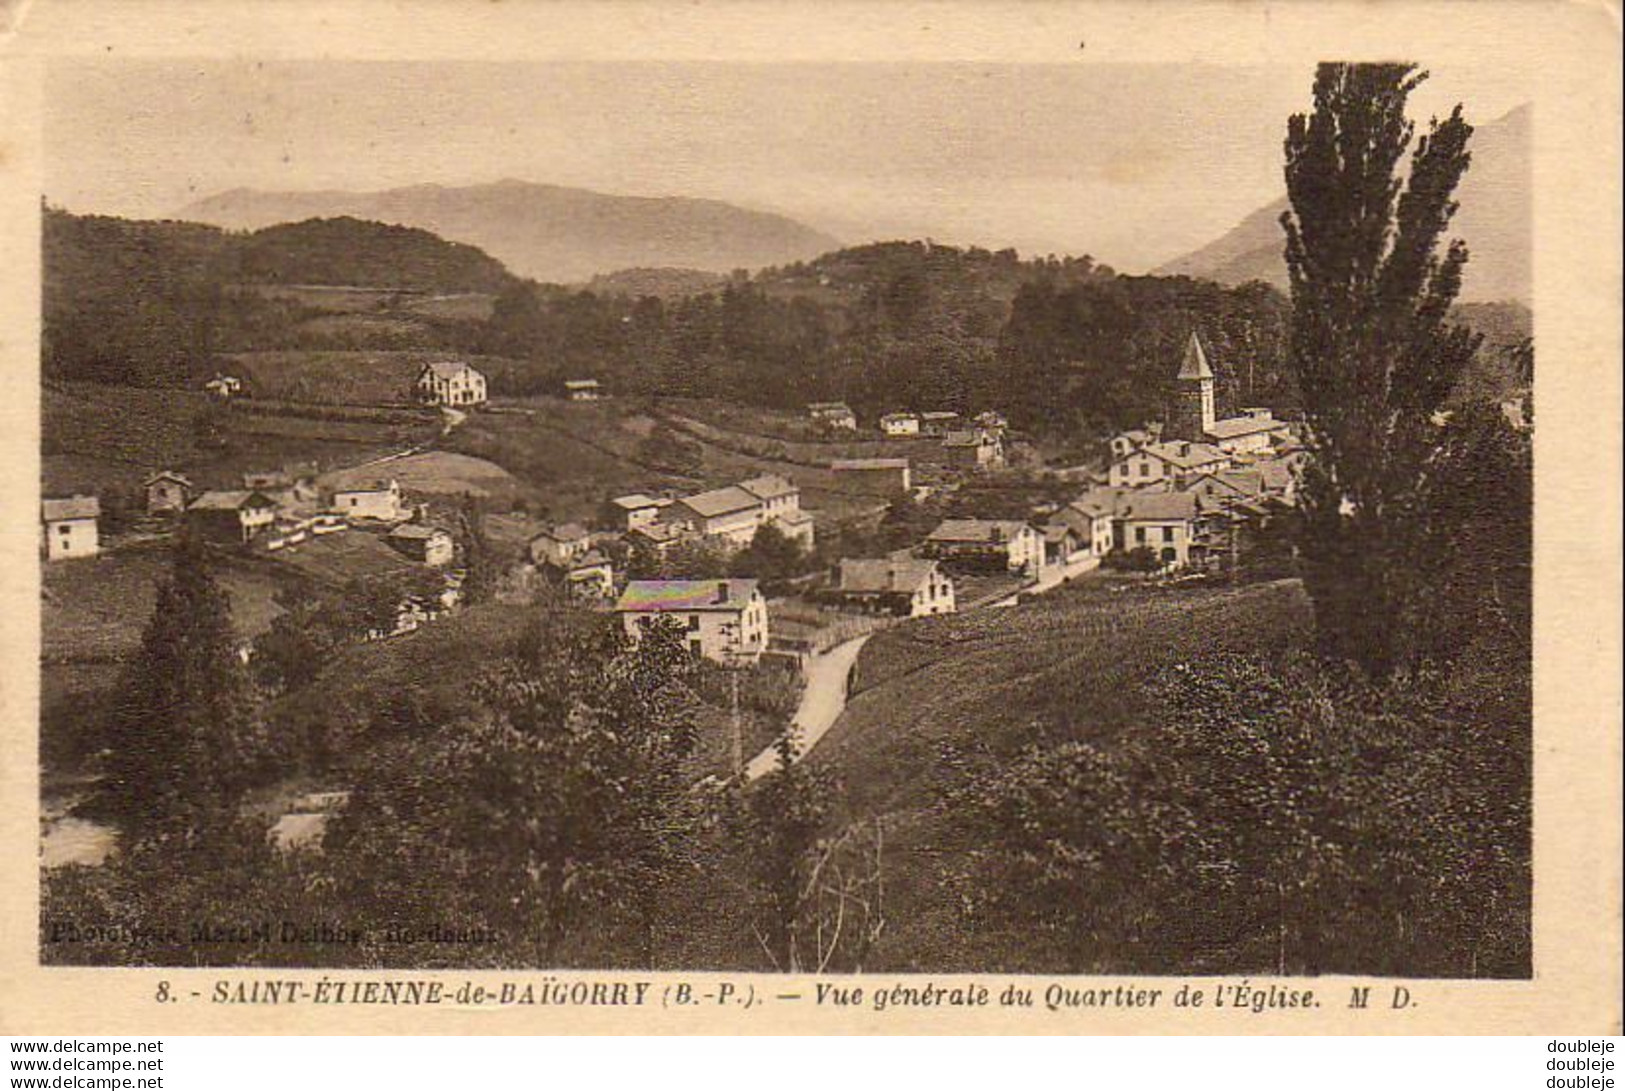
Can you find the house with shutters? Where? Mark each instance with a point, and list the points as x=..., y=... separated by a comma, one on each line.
x=450, y=382
x=1166, y=465
x=70, y=527
x=1172, y=525
x=721, y=620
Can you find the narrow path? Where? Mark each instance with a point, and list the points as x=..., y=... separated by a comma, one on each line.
x=822, y=703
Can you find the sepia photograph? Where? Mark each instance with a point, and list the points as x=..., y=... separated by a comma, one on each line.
x=787, y=517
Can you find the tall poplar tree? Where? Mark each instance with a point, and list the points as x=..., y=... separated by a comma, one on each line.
x=184, y=735
x=1372, y=347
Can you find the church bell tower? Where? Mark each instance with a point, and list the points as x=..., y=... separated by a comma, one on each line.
x=1192, y=416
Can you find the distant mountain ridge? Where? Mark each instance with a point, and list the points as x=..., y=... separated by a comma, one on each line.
x=550, y=233
x=1495, y=220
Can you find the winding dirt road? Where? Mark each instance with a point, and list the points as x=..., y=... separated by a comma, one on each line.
x=822, y=703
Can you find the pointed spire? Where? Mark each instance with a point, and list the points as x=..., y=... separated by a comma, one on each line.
x=1195, y=365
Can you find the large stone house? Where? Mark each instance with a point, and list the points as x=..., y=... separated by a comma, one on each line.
x=70, y=527
x=722, y=620
x=891, y=586
x=1169, y=524
x=1166, y=465
x=975, y=448
x=428, y=545
x=781, y=506
x=450, y=382
x=727, y=516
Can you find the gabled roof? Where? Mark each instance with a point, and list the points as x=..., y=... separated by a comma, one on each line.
x=1183, y=455
x=884, y=575
x=416, y=532
x=688, y=596
x=58, y=509
x=446, y=369
x=1160, y=507
x=977, y=530
x=581, y=384
x=231, y=500
x=1194, y=365
x=366, y=486
x=1231, y=427
x=637, y=502
x=169, y=475
x=1072, y=518
x=769, y=487
x=564, y=532
x=940, y=414
x=659, y=533
x=888, y=418
x=1100, y=502
x=721, y=501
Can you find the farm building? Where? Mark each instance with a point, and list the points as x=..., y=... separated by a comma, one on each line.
x=892, y=586
x=987, y=543
x=231, y=515
x=900, y=424
x=836, y=415
x=432, y=546
x=723, y=620
x=380, y=500
x=875, y=476
x=583, y=390
x=69, y=527
x=450, y=382
x=168, y=492
x=659, y=538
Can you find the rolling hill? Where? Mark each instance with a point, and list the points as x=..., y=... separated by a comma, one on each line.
x=1495, y=220
x=551, y=233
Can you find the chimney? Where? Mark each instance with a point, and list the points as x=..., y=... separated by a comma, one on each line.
x=722, y=592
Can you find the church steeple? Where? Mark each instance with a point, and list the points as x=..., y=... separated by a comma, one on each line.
x=1193, y=413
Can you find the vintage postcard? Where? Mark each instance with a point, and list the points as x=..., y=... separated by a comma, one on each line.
x=963, y=517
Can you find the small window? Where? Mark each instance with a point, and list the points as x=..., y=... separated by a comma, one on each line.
x=1167, y=534
x=1145, y=469
x=693, y=623
x=1139, y=535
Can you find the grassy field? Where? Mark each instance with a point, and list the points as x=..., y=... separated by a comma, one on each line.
x=360, y=377
x=98, y=438
x=577, y=455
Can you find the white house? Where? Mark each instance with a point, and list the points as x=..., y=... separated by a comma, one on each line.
x=69, y=527
x=583, y=390
x=1166, y=523
x=379, y=500
x=833, y=415
x=728, y=516
x=636, y=510
x=224, y=386
x=1166, y=465
x=781, y=507
x=450, y=382
x=723, y=620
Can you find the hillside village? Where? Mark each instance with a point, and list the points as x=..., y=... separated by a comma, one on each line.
x=1187, y=495
x=980, y=575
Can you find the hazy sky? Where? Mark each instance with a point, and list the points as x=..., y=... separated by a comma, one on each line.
x=1136, y=164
